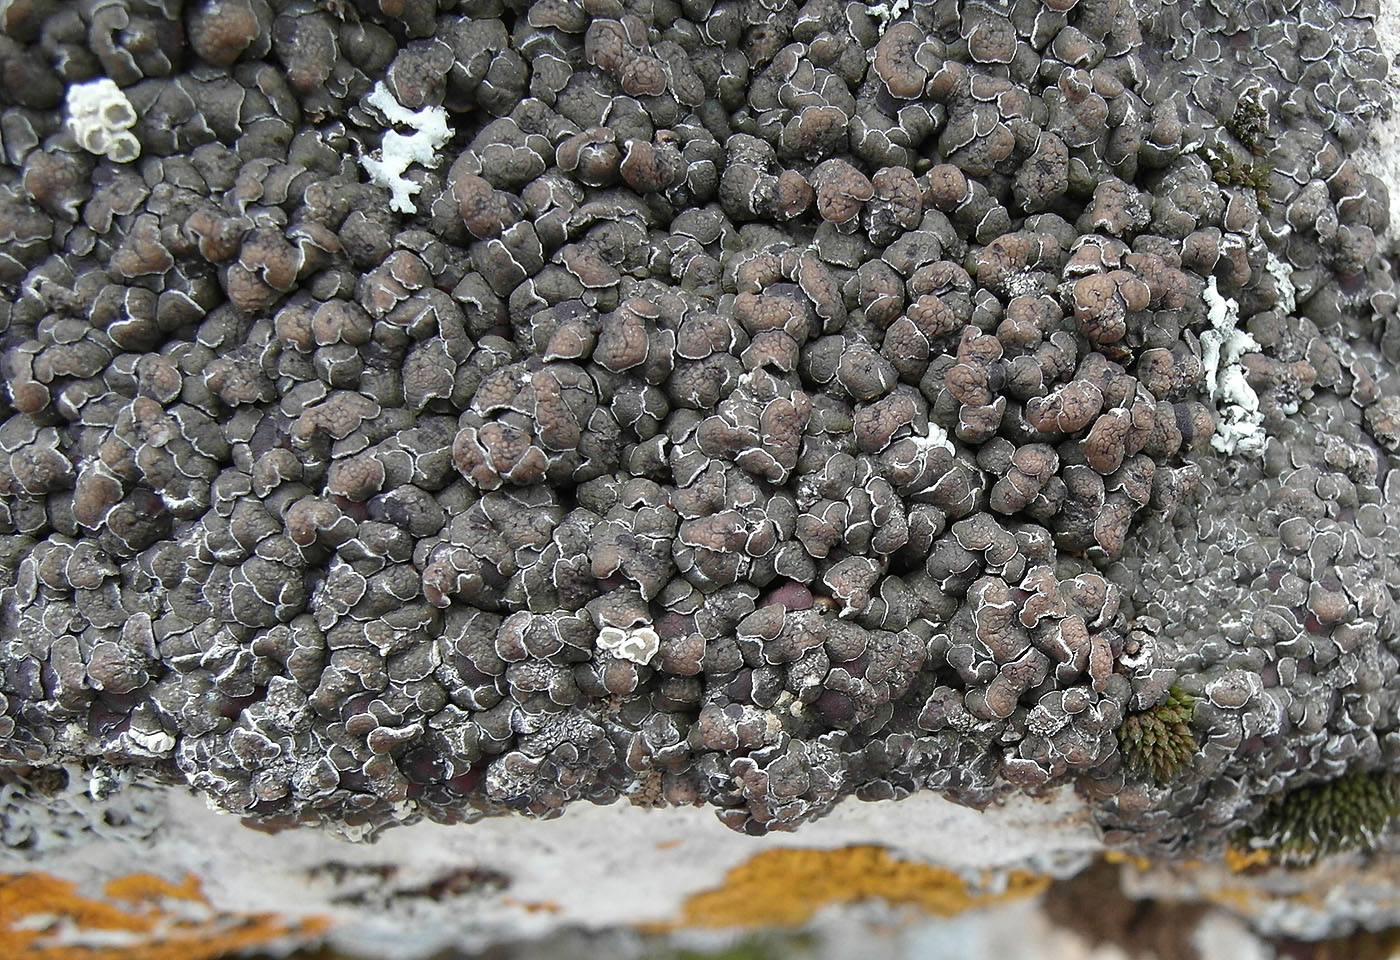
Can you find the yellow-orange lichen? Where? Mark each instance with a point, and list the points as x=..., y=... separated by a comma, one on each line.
x=137, y=918
x=786, y=887
x=1240, y=860
x=138, y=887
x=1120, y=856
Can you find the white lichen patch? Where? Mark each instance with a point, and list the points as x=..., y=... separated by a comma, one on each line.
x=1241, y=424
x=398, y=151
x=1283, y=279
x=887, y=13
x=936, y=437
x=1023, y=283
x=155, y=743
x=100, y=118
x=639, y=644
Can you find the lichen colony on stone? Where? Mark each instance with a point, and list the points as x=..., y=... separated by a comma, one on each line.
x=467, y=406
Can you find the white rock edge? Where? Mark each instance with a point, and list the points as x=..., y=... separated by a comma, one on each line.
x=599, y=866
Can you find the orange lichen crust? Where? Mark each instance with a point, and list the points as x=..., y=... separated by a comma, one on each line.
x=1240, y=860
x=1120, y=856
x=139, y=917
x=786, y=887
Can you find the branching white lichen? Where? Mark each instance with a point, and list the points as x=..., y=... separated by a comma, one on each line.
x=1241, y=424
x=100, y=118
x=638, y=644
x=887, y=13
x=398, y=151
x=1287, y=302
x=1283, y=280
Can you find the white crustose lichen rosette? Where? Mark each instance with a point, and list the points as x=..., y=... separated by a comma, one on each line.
x=100, y=118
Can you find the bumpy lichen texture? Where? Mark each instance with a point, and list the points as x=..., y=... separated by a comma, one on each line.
x=761, y=403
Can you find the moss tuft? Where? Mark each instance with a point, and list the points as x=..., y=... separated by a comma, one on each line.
x=1250, y=122
x=1229, y=171
x=1300, y=827
x=1159, y=742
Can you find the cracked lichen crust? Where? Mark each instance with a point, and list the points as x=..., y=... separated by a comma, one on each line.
x=761, y=404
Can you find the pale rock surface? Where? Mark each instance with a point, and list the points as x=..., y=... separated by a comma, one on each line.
x=594, y=867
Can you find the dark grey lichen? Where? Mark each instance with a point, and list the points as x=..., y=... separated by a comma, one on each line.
x=763, y=404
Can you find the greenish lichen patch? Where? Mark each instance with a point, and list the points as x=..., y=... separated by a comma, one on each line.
x=1249, y=124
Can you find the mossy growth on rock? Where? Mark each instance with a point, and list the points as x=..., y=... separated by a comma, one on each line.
x=1159, y=742
x=1249, y=123
x=1300, y=827
x=1229, y=171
